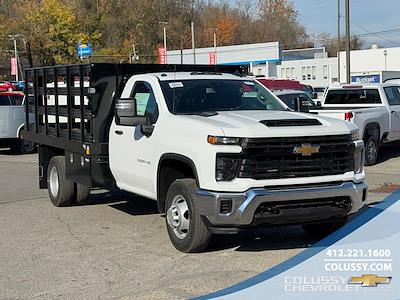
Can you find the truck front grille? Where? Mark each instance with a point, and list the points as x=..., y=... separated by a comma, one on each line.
x=275, y=158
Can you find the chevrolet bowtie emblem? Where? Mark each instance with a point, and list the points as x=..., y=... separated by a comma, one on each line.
x=370, y=280
x=306, y=149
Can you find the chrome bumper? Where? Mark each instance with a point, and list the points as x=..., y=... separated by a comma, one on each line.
x=244, y=205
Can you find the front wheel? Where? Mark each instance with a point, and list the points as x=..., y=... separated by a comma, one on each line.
x=321, y=230
x=185, y=226
x=371, y=151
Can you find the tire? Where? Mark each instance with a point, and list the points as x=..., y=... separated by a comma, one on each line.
x=191, y=235
x=61, y=190
x=371, y=150
x=82, y=193
x=320, y=230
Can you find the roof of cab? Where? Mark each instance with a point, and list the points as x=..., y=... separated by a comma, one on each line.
x=167, y=76
x=14, y=93
x=360, y=85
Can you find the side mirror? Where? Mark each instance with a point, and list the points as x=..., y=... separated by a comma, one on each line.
x=301, y=105
x=126, y=113
x=319, y=103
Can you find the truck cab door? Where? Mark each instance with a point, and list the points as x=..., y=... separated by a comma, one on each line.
x=393, y=97
x=132, y=151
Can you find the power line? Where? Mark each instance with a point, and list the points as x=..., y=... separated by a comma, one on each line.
x=374, y=34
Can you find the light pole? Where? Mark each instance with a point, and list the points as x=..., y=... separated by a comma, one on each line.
x=164, y=24
x=215, y=44
x=338, y=44
x=14, y=39
x=348, y=73
x=193, y=45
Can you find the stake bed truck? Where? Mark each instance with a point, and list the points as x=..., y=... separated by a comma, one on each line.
x=216, y=150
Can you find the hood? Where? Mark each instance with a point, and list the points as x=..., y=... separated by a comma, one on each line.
x=248, y=124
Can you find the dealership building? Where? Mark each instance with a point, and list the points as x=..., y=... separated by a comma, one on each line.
x=310, y=66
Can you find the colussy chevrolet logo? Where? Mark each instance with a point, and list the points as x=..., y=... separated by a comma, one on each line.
x=369, y=280
x=306, y=149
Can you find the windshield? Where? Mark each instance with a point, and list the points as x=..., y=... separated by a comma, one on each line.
x=209, y=95
x=353, y=96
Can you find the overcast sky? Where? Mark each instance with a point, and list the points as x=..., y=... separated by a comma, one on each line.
x=366, y=16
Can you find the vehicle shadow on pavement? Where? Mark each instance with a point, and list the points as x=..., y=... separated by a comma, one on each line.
x=123, y=201
x=389, y=151
x=263, y=239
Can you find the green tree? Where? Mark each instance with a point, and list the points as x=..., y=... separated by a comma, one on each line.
x=52, y=29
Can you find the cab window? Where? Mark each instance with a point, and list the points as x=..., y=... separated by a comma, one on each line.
x=4, y=100
x=16, y=100
x=146, y=104
x=393, y=95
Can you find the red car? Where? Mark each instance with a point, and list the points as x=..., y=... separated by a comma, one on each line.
x=7, y=86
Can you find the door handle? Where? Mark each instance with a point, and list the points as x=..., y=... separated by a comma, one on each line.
x=119, y=132
x=393, y=112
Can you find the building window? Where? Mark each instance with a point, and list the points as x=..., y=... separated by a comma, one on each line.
x=314, y=71
x=308, y=73
x=325, y=72
x=292, y=73
x=282, y=72
x=303, y=73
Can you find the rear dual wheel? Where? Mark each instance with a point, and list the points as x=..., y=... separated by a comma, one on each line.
x=63, y=192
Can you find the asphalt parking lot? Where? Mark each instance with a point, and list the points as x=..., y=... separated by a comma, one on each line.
x=116, y=246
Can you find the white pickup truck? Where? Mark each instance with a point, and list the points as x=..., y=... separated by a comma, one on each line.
x=217, y=151
x=374, y=108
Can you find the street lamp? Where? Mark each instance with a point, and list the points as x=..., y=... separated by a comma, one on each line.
x=164, y=24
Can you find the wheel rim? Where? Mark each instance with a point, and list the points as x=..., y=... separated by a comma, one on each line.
x=178, y=217
x=53, y=181
x=371, y=150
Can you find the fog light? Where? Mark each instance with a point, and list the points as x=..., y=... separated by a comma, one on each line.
x=226, y=168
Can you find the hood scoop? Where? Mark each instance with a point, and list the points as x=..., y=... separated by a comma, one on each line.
x=291, y=122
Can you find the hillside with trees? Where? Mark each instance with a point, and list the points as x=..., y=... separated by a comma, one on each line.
x=52, y=28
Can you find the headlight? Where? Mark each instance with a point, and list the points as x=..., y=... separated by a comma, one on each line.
x=226, y=168
x=222, y=140
x=355, y=134
x=359, y=157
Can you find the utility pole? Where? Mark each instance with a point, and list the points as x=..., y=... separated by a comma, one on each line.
x=14, y=39
x=165, y=38
x=338, y=41
x=215, y=44
x=193, y=45
x=348, y=73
